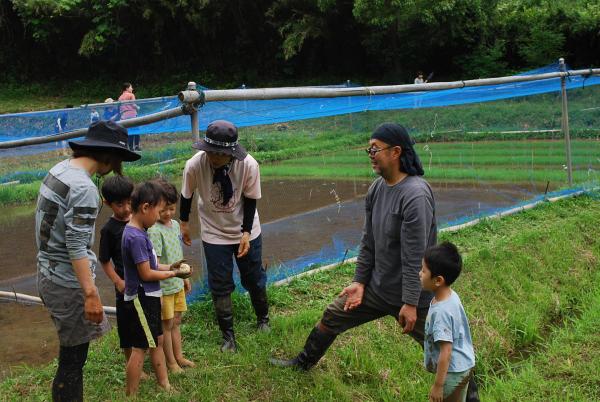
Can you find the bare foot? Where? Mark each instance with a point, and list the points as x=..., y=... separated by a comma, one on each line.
x=174, y=368
x=183, y=362
x=166, y=385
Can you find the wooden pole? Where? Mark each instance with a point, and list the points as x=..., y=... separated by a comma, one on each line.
x=565, y=121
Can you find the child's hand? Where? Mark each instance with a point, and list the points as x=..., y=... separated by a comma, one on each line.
x=187, y=286
x=120, y=285
x=176, y=265
x=436, y=394
x=183, y=271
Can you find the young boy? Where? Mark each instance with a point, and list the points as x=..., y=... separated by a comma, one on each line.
x=116, y=192
x=165, y=237
x=142, y=288
x=448, y=346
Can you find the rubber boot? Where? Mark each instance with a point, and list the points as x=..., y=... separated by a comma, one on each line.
x=261, y=308
x=224, y=310
x=315, y=347
x=472, y=392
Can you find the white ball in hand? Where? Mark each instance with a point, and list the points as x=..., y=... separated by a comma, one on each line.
x=185, y=268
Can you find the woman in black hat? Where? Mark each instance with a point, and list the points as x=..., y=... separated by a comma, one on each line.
x=227, y=181
x=65, y=217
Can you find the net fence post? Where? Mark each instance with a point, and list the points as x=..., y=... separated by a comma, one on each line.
x=191, y=86
x=565, y=120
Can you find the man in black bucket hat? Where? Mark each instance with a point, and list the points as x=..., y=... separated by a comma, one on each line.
x=227, y=181
x=400, y=224
x=65, y=217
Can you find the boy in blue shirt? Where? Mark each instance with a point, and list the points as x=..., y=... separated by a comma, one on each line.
x=142, y=288
x=448, y=345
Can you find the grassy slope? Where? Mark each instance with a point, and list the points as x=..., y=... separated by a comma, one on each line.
x=532, y=298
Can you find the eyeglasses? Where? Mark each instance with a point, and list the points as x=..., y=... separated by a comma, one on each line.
x=373, y=151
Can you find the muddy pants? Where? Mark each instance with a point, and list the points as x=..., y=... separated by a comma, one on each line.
x=336, y=320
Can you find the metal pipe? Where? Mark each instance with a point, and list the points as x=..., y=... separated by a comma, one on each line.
x=565, y=121
x=134, y=122
x=192, y=96
x=28, y=299
x=315, y=92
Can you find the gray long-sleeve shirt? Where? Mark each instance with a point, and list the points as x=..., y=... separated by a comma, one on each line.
x=64, y=223
x=400, y=224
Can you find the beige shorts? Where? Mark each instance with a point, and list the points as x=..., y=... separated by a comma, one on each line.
x=171, y=304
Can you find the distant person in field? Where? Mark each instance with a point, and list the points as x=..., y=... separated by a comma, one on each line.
x=226, y=180
x=420, y=79
x=65, y=217
x=94, y=116
x=400, y=224
x=129, y=110
x=448, y=345
x=110, y=112
x=418, y=96
x=60, y=126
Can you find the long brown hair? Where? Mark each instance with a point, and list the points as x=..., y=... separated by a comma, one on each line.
x=104, y=156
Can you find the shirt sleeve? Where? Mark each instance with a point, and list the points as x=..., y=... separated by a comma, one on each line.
x=418, y=216
x=443, y=327
x=157, y=240
x=252, y=182
x=80, y=217
x=188, y=185
x=138, y=250
x=104, y=253
x=366, y=255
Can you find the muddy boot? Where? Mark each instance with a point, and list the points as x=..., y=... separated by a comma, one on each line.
x=315, y=347
x=261, y=308
x=472, y=392
x=224, y=310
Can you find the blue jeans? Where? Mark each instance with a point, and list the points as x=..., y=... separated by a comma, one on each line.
x=219, y=264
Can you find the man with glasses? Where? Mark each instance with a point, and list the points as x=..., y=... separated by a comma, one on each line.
x=400, y=224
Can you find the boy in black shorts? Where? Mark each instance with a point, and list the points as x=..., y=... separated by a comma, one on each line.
x=116, y=192
x=143, y=329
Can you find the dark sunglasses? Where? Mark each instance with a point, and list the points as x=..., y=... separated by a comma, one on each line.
x=373, y=151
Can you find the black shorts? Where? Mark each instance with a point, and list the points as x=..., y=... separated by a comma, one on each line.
x=121, y=321
x=140, y=325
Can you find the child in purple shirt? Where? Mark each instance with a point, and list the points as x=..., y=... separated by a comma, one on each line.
x=142, y=287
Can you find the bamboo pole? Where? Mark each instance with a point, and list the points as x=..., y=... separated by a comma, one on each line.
x=565, y=121
x=134, y=122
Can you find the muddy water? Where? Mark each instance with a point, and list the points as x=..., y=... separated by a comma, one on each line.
x=303, y=222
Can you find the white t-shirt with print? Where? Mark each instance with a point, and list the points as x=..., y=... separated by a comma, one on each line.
x=222, y=224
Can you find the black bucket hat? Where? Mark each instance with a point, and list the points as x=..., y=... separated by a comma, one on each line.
x=107, y=136
x=222, y=136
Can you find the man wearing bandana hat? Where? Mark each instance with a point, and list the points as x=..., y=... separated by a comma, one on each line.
x=400, y=225
x=227, y=181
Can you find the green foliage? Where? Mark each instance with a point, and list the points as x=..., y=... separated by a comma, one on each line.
x=268, y=41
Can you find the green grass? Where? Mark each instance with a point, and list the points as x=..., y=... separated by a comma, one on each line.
x=532, y=297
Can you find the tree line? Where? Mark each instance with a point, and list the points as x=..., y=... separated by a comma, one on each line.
x=227, y=42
